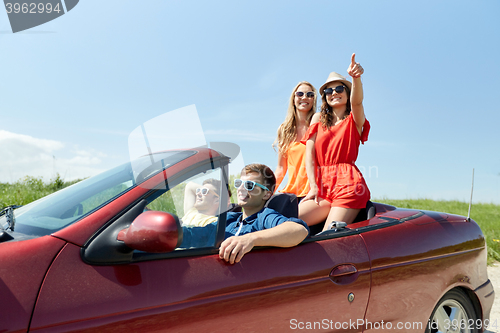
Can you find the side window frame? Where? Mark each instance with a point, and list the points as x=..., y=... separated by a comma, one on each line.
x=222, y=165
x=104, y=249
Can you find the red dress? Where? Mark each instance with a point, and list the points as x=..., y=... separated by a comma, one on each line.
x=339, y=179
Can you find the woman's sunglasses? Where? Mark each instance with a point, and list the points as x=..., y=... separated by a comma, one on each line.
x=248, y=184
x=204, y=191
x=338, y=89
x=308, y=94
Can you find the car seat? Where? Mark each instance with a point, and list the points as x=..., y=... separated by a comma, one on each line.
x=286, y=204
x=364, y=214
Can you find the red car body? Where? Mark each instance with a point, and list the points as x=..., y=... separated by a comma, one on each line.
x=392, y=269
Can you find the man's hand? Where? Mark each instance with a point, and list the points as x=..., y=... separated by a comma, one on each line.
x=286, y=234
x=234, y=248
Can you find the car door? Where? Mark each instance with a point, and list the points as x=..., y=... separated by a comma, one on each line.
x=269, y=289
x=417, y=256
x=323, y=283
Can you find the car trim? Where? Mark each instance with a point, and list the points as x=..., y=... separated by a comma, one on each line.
x=417, y=261
x=335, y=233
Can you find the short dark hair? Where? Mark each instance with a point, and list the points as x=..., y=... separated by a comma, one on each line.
x=267, y=175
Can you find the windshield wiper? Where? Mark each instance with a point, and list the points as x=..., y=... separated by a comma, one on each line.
x=9, y=216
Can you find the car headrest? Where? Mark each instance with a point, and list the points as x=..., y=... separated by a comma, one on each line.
x=366, y=213
x=285, y=204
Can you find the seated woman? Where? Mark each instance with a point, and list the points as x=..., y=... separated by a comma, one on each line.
x=338, y=189
x=291, y=153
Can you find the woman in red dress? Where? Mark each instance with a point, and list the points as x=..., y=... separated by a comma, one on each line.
x=337, y=188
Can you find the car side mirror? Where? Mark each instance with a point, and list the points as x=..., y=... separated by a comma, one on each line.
x=153, y=231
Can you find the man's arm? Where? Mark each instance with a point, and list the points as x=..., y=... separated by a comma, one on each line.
x=198, y=236
x=287, y=234
x=189, y=195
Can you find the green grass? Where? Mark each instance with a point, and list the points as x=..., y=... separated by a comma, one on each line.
x=487, y=216
x=166, y=202
x=30, y=189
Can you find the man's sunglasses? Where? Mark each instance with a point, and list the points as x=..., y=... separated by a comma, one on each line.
x=338, y=89
x=204, y=191
x=248, y=184
x=308, y=94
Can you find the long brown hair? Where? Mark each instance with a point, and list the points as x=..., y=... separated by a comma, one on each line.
x=326, y=115
x=287, y=132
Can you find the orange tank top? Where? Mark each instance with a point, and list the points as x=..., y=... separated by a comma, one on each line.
x=298, y=183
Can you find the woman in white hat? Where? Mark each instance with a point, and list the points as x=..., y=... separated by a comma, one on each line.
x=337, y=188
x=291, y=153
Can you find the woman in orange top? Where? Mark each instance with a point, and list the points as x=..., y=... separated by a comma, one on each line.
x=338, y=189
x=291, y=153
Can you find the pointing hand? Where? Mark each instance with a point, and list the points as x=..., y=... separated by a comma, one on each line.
x=355, y=70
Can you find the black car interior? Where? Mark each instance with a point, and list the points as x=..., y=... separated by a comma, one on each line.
x=288, y=205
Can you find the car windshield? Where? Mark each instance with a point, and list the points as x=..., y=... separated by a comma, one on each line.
x=60, y=209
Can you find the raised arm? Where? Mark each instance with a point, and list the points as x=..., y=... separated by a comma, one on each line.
x=287, y=234
x=355, y=71
x=190, y=195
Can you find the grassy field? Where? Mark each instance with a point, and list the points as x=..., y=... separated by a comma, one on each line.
x=486, y=215
x=29, y=189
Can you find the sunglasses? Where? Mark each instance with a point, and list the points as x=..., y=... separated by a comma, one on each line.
x=248, y=184
x=338, y=89
x=204, y=191
x=308, y=94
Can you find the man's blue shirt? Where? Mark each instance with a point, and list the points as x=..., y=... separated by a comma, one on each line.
x=265, y=219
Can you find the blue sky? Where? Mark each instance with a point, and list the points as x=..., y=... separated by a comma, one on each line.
x=73, y=89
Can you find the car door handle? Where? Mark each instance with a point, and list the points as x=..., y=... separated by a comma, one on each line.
x=344, y=274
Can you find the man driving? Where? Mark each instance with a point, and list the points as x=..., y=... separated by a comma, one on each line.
x=255, y=225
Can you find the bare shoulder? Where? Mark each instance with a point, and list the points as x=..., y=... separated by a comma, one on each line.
x=315, y=118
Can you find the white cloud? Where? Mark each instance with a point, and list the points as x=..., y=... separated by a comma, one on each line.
x=24, y=155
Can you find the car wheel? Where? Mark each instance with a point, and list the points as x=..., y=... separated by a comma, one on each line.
x=453, y=313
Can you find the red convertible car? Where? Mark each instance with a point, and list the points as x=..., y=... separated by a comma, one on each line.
x=105, y=255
